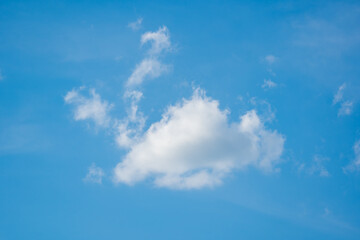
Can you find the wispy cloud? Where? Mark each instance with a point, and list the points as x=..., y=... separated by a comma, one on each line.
x=268, y=84
x=129, y=129
x=89, y=107
x=94, y=174
x=151, y=67
x=159, y=40
x=355, y=164
x=148, y=68
x=263, y=106
x=346, y=106
x=270, y=59
x=339, y=94
x=357, y=153
x=318, y=166
x=136, y=25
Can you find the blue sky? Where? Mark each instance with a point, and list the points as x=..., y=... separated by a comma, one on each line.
x=179, y=120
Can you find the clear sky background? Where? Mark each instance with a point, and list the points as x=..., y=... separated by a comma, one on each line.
x=179, y=120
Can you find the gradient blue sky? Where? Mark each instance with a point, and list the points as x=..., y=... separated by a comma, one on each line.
x=294, y=63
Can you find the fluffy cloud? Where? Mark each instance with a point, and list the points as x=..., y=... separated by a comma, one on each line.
x=148, y=68
x=268, y=84
x=91, y=107
x=135, y=25
x=94, y=175
x=194, y=146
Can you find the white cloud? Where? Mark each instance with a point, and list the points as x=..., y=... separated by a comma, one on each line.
x=160, y=40
x=270, y=59
x=339, y=94
x=94, y=175
x=91, y=107
x=268, y=84
x=148, y=68
x=194, y=146
x=355, y=165
x=131, y=127
x=135, y=97
x=135, y=25
x=346, y=108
